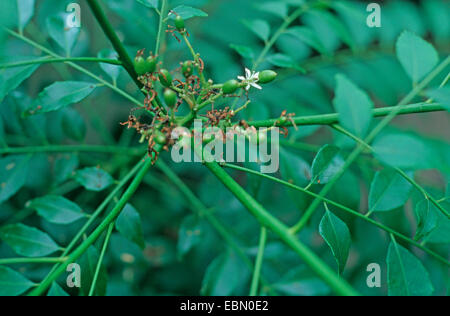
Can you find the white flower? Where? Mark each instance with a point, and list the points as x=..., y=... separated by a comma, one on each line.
x=251, y=79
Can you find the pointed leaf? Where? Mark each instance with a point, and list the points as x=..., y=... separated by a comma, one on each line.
x=28, y=241
x=94, y=179
x=88, y=263
x=13, y=175
x=25, y=11
x=187, y=12
x=417, y=56
x=56, y=209
x=259, y=27
x=112, y=70
x=129, y=224
x=244, y=51
x=388, y=191
x=275, y=7
x=11, y=78
x=153, y=4
x=59, y=95
x=294, y=169
x=65, y=37
x=354, y=107
x=327, y=163
x=13, y=283
x=284, y=61
x=73, y=124
x=427, y=219
x=307, y=36
x=442, y=96
x=406, y=274
x=336, y=234
x=56, y=290
x=190, y=234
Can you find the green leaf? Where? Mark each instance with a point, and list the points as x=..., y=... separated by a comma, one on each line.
x=59, y=95
x=94, y=179
x=259, y=27
x=73, y=124
x=153, y=4
x=427, y=219
x=402, y=151
x=441, y=95
x=11, y=78
x=112, y=71
x=25, y=11
x=65, y=37
x=441, y=234
x=224, y=275
x=56, y=209
x=187, y=12
x=13, y=283
x=406, y=274
x=28, y=241
x=417, y=56
x=354, y=107
x=190, y=234
x=336, y=234
x=276, y=8
x=244, y=51
x=388, y=191
x=13, y=175
x=129, y=224
x=308, y=36
x=64, y=167
x=284, y=61
x=88, y=263
x=294, y=169
x=56, y=290
x=327, y=163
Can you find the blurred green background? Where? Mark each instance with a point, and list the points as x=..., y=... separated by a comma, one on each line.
x=175, y=259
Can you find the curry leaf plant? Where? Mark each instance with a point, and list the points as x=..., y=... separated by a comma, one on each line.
x=90, y=104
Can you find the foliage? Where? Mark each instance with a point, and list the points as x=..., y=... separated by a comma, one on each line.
x=364, y=159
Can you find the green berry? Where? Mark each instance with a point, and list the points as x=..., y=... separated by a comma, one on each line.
x=150, y=64
x=230, y=86
x=179, y=23
x=187, y=69
x=170, y=97
x=139, y=65
x=160, y=138
x=267, y=76
x=165, y=78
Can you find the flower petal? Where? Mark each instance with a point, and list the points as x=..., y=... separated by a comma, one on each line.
x=248, y=73
x=257, y=86
x=241, y=78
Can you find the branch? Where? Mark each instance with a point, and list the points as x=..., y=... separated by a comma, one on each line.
x=344, y=208
x=73, y=148
x=61, y=60
x=333, y=118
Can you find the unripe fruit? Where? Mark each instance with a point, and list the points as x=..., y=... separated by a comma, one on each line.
x=187, y=69
x=150, y=64
x=230, y=86
x=139, y=65
x=160, y=138
x=170, y=97
x=179, y=23
x=165, y=78
x=267, y=76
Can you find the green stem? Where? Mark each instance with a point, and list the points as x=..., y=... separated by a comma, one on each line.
x=114, y=39
x=77, y=253
x=398, y=170
x=100, y=259
x=360, y=148
x=73, y=148
x=339, y=285
x=61, y=60
x=333, y=118
x=161, y=32
x=201, y=210
x=77, y=67
x=32, y=260
x=259, y=262
x=98, y=212
x=342, y=207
